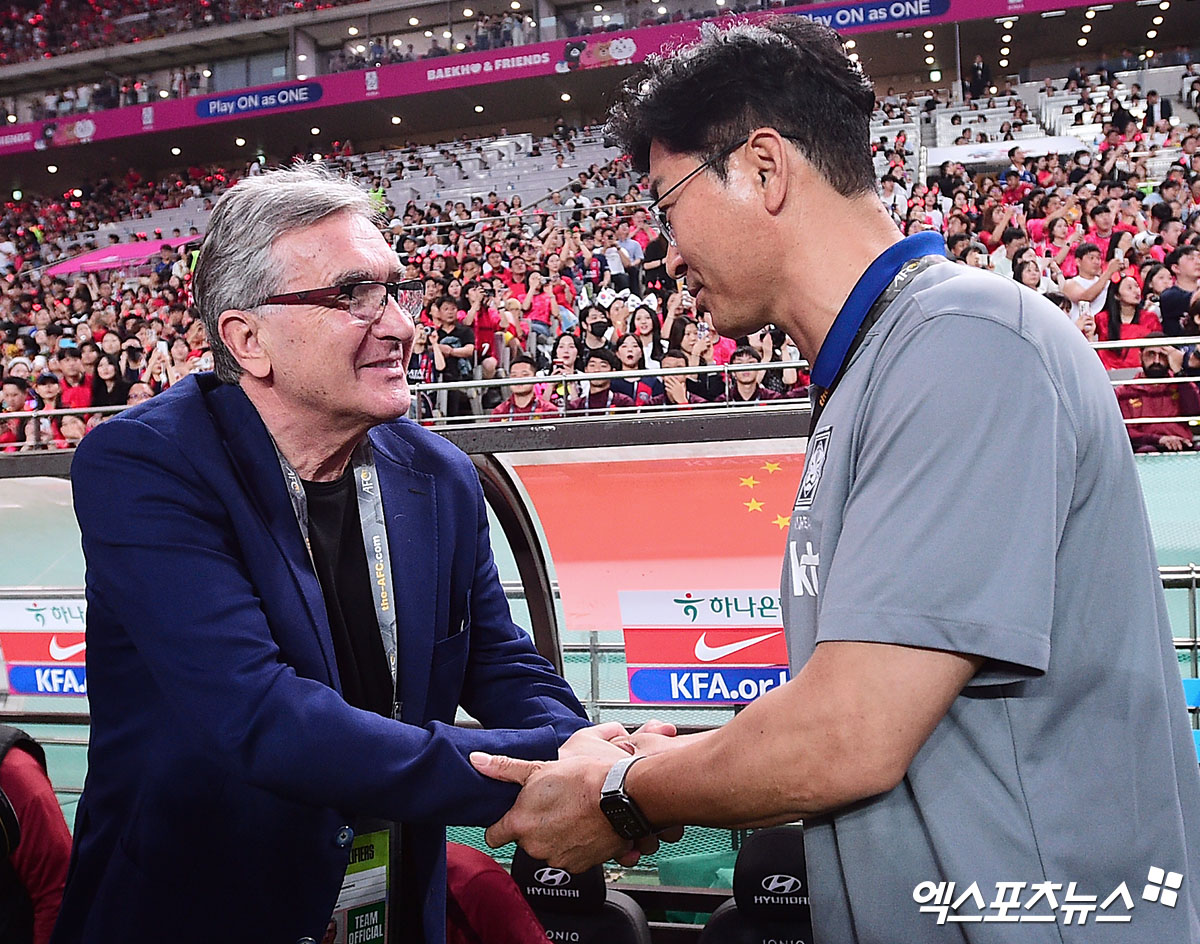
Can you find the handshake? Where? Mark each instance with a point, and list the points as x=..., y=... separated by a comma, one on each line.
x=557, y=816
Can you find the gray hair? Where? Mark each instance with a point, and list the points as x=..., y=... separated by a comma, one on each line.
x=236, y=267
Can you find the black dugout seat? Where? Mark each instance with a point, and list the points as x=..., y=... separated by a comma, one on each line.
x=770, y=893
x=580, y=909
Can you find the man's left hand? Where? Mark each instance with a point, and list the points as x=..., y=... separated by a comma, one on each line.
x=557, y=815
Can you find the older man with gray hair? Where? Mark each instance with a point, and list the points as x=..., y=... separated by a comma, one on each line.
x=287, y=608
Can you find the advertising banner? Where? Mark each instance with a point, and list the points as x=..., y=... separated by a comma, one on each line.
x=43, y=645
x=481, y=68
x=715, y=647
x=689, y=574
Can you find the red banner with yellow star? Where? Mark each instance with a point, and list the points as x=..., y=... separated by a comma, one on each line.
x=699, y=523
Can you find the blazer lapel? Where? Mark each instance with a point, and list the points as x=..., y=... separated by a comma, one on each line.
x=410, y=510
x=255, y=462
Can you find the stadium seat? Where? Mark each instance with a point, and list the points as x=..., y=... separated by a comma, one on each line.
x=579, y=908
x=770, y=893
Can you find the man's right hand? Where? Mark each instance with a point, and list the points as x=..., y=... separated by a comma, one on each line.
x=676, y=388
x=602, y=740
x=1174, y=443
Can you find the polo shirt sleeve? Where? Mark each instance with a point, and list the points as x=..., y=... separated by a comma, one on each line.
x=962, y=475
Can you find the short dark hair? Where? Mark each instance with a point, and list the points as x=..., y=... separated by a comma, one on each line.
x=523, y=359
x=1085, y=249
x=1058, y=299
x=675, y=352
x=792, y=75
x=744, y=350
x=1012, y=234
x=19, y=382
x=1012, y=151
x=1173, y=258
x=1098, y=209
x=1162, y=212
x=445, y=299
x=603, y=354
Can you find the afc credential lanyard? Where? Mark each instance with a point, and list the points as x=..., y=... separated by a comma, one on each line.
x=883, y=281
x=375, y=543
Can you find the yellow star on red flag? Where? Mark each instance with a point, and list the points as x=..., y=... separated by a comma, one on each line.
x=749, y=482
x=772, y=467
x=782, y=522
x=753, y=505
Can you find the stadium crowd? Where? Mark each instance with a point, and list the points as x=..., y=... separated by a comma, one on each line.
x=42, y=30
x=56, y=27
x=578, y=284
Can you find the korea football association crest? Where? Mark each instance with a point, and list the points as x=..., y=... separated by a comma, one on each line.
x=814, y=465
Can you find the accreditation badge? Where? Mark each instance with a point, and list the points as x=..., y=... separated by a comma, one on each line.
x=361, y=913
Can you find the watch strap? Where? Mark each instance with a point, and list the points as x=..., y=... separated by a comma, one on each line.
x=614, y=782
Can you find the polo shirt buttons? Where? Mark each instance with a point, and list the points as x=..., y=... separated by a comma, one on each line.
x=344, y=837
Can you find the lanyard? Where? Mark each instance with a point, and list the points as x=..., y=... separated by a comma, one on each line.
x=375, y=544
x=587, y=404
x=898, y=265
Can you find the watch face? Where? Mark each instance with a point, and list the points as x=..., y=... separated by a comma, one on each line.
x=625, y=819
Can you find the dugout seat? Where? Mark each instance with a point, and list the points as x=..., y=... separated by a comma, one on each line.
x=579, y=908
x=770, y=893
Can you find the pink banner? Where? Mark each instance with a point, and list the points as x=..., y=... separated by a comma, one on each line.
x=481, y=68
x=116, y=257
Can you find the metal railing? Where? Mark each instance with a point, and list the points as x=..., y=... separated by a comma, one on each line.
x=474, y=387
x=1174, y=577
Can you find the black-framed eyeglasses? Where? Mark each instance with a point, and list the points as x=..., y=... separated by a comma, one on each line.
x=660, y=216
x=365, y=301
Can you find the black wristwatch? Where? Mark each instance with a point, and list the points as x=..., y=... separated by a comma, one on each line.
x=623, y=814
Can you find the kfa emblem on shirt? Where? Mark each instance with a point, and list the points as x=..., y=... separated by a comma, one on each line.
x=814, y=464
x=804, y=564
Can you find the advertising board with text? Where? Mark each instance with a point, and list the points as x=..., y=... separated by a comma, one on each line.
x=717, y=647
x=42, y=642
x=680, y=552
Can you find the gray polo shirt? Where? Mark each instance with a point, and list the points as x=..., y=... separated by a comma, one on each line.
x=970, y=488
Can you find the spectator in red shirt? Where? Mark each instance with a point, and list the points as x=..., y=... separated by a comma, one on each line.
x=523, y=402
x=1015, y=189
x=76, y=390
x=480, y=314
x=601, y=398
x=1101, y=232
x=14, y=397
x=675, y=390
x=1158, y=400
x=1123, y=318
x=745, y=386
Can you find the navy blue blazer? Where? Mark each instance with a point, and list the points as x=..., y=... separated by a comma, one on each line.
x=223, y=760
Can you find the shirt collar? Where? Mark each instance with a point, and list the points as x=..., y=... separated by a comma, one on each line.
x=870, y=286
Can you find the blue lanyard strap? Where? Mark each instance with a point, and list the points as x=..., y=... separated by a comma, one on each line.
x=836, y=349
x=899, y=267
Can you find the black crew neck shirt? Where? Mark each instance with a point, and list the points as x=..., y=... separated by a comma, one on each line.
x=335, y=533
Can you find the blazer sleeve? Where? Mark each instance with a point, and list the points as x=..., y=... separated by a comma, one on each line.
x=170, y=585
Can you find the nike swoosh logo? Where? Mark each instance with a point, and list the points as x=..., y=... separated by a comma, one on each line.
x=707, y=653
x=59, y=653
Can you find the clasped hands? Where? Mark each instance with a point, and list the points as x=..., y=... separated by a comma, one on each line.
x=557, y=815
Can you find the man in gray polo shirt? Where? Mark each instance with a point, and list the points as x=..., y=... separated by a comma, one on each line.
x=985, y=731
